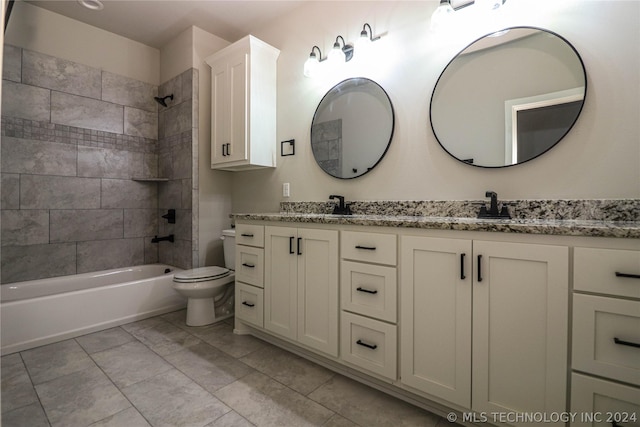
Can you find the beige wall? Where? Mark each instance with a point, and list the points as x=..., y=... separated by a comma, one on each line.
x=600, y=158
x=40, y=30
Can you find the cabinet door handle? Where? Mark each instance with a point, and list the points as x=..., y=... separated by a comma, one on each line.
x=627, y=343
x=299, y=246
x=630, y=276
x=364, y=344
x=291, y=245
x=247, y=235
x=479, y=268
x=228, y=149
x=462, y=276
x=248, y=265
x=223, y=151
x=368, y=291
x=366, y=248
x=248, y=304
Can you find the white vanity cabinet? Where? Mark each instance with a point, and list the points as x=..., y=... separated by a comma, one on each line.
x=480, y=319
x=301, y=286
x=368, y=330
x=249, y=273
x=243, y=105
x=606, y=336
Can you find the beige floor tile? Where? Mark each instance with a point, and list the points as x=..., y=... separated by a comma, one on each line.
x=293, y=371
x=104, y=340
x=130, y=417
x=172, y=399
x=16, y=389
x=222, y=337
x=165, y=338
x=31, y=415
x=265, y=402
x=230, y=419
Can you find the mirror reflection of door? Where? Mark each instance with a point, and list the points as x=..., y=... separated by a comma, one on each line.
x=538, y=129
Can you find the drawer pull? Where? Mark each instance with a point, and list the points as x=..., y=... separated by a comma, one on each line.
x=247, y=235
x=366, y=248
x=364, y=344
x=248, y=304
x=244, y=264
x=630, y=276
x=627, y=343
x=368, y=291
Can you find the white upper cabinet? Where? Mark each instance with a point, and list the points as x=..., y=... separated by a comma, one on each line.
x=243, y=105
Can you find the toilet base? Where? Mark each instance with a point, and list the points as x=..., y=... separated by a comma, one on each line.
x=201, y=312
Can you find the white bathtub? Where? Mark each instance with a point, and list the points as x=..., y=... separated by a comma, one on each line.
x=39, y=312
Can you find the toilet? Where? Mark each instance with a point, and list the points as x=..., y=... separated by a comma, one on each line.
x=209, y=290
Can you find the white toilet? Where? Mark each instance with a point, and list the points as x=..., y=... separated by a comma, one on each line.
x=209, y=289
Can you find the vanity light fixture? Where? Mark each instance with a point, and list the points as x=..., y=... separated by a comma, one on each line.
x=441, y=15
x=313, y=62
x=445, y=11
x=340, y=54
x=363, y=45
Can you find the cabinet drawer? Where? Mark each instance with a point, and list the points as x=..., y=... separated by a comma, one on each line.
x=369, y=247
x=369, y=289
x=606, y=337
x=251, y=235
x=369, y=344
x=600, y=402
x=595, y=271
x=250, y=265
x=249, y=304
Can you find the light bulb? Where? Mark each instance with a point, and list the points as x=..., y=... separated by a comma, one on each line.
x=442, y=15
x=311, y=65
x=336, y=56
x=362, y=48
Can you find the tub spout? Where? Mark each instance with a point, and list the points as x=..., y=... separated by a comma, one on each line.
x=157, y=239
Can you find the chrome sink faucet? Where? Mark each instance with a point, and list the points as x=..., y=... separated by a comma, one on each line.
x=493, y=211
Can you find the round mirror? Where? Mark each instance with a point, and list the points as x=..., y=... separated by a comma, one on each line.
x=508, y=97
x=352, y=128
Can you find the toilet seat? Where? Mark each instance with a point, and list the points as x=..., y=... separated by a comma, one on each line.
x=201, y=274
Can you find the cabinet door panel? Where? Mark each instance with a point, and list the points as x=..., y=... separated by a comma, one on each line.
x=436, y=317
x=238, y=108
x=520, y=327
x=318, y=290
x=280, y=290
x=219, y=112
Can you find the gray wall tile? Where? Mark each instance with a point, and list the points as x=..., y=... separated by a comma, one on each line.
x=60, y=74
x=170, y=195
x=25, y=101
x=140, y=222
x=165, y=165
x=150, y=166
x=187, y=194
x=188, y=78
x=10, y=191
x=175, y=120
x=126, y=91
x=38, y=157
x=73, y=110
x=12, y=63
x=173, y=87
x=109, y=163
x=150, y=252
x=140, y=123
x=76, y=225
x=182, y=159
x=182, y=254
x=107, y=254
x=37, y=261
x=58, y=192
x=117, y=193
x=25, y=227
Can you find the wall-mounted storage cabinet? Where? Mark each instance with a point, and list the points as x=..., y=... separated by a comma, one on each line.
x=243, y=105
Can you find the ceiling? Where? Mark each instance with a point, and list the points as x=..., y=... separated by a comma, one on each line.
x=155, y=22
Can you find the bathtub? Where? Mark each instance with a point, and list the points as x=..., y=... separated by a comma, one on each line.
x=38, y=312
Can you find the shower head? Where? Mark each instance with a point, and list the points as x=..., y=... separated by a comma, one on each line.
x=161, y=101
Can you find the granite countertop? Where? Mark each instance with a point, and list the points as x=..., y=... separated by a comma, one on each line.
x=550, y=226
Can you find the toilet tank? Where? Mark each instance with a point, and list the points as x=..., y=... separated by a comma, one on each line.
x=229, y=246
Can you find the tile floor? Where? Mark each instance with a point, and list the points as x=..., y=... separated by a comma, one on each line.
x=160, y=372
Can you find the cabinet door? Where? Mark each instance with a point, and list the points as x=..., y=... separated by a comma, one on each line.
x=435, y=340
x=219, y=112
x=280, y=280
x=238, y=117
x=318, y=289
x=520, y=327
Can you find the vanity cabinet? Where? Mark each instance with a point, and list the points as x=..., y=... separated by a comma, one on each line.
x=481, y=318
x=243, y=105
x=606, y=335
x=368, y=320
x=301, y=286
x=249, y=254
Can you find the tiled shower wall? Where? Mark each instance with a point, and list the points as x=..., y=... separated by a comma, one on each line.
x=73, y=137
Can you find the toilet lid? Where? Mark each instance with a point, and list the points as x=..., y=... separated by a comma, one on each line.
x=201, y=274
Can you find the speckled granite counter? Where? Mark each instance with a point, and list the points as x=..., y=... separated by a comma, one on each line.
x=595, y=218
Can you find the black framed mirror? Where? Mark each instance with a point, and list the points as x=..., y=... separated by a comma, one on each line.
x=352, y=128
x=508, y=97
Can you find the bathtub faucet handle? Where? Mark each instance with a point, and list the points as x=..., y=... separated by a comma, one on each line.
x=168, y=238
